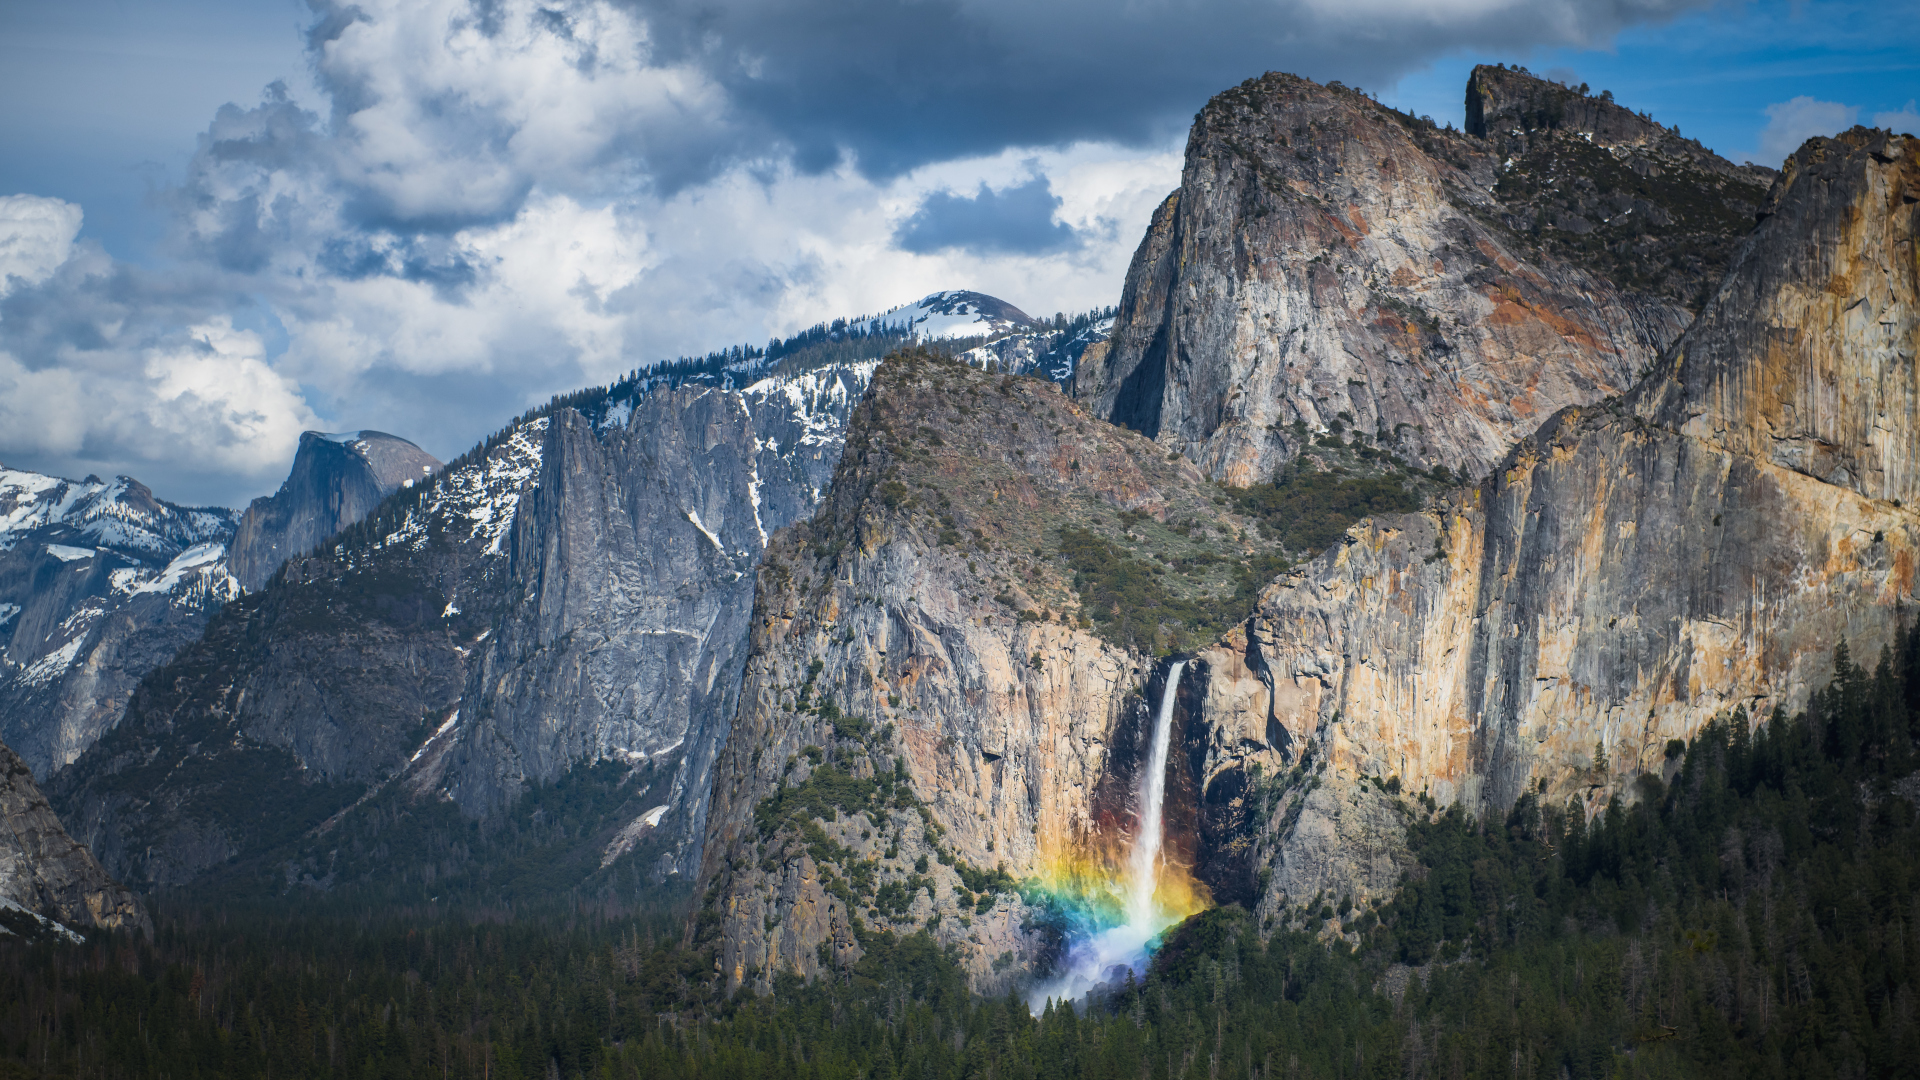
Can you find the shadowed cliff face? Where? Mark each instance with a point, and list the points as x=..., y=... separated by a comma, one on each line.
x=1326, y=259
x=304, y=696
x=336, y=480
x=630, y=586
x=1636, y=568
x=927, y=702
x=45, y=873
x=576, y=590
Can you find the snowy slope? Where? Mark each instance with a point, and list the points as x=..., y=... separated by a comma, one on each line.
x=99, y=582
x=953, y=313
x=1050, y=354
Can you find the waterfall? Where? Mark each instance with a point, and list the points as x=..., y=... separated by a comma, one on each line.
x=1153, y=801
x=1103, y=956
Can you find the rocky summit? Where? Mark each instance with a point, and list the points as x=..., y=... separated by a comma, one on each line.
x=100, y=582
x=1691, y=498
x=1329, y=262
x=336, y=480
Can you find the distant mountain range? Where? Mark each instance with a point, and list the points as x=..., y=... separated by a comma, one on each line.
x=101, y=584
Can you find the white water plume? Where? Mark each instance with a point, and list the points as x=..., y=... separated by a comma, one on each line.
x=1106, y=956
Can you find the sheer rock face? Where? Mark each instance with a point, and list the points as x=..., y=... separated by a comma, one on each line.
x=901, y=602
x=1328, y=260
x=1637, y=568
x=575, y=590
x=43, y=870
x=1806, y=358
x=631, y=586
x=335, y=481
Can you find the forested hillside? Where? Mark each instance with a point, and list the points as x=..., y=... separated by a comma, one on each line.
x=1757, y=914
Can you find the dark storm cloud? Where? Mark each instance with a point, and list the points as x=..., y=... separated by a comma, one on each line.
x=1016, y=220
x=895, y=84
x=400, y=163
x=901, y=83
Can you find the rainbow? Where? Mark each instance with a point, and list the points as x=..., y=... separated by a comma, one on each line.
x=1119, y=894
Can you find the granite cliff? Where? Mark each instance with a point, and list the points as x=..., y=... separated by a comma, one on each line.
x=1328, y=264
x=335, y=481
x=952, y=665
x=1681, y=516
x=1639, y=566
x=573, y=590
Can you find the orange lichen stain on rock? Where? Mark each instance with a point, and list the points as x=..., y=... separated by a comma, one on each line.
x=1900, y=581
x=1404, y=277
x=1497, y=257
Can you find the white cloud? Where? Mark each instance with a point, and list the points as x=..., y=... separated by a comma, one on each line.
x=1790, y=123
x=214, y=396
x=1905, y=120
x=36, y=236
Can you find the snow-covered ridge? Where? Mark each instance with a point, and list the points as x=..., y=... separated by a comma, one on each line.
x=953, y=313
x=476, y=502
x=1052, y=354
x=817, y=400
x=119, y=551
x=120, y=514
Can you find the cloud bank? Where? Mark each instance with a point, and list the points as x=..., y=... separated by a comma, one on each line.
x=495, y=200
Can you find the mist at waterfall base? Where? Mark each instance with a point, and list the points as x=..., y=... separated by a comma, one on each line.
x=1116, y=910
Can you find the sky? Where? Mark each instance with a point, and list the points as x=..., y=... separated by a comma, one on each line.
x=222, y=223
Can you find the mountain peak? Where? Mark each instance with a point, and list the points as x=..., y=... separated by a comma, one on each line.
x=951, y=313
x=337, y=477
x=394, y=460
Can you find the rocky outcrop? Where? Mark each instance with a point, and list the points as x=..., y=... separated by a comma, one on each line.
x=1328, y=263
x=1805, y=360
x=335, y=481
x=1639, y=567
x=929, y=712
x=100, y=583
x=44, y=874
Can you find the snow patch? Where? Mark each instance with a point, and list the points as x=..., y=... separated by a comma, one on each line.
x=694, y=516
x=439, y=731
x=626, y=838
x=53, y=665
x=69, y=554
x=195, y=560
x=58, y=928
